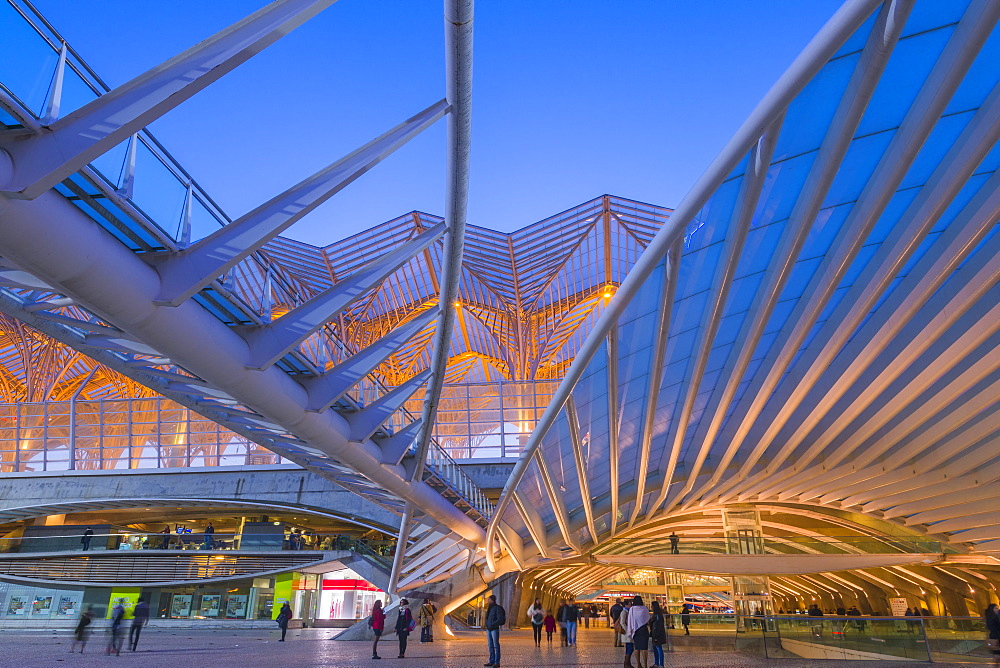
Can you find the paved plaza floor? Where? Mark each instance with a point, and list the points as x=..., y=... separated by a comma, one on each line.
x=178, y=648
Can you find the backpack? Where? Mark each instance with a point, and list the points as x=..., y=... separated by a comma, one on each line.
x=501, y=615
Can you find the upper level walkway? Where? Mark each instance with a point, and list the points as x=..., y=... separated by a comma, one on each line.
x=265, y=489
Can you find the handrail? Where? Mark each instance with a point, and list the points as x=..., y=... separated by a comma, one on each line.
x=198, y=541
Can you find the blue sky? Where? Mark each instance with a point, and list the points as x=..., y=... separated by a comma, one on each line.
x=571, y=99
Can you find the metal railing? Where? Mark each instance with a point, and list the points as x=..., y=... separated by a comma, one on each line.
x=779, y=545
x=928, y=639
x=379, y=550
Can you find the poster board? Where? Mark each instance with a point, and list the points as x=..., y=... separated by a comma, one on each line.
x=18, y=605
x=236, y=606
x=898, y=606
x=68, y=606
x=210, y=605
x=180, y=605
x=41, y=606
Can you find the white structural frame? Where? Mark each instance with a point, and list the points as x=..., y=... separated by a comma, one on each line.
x=148, y=299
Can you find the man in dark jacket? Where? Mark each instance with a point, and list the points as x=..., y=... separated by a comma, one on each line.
x=616, y=612
x=496, y=617
x=86, y=538
x=572, y=619
x=140, y=617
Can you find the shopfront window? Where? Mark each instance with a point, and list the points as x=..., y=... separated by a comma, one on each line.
x=346, y=595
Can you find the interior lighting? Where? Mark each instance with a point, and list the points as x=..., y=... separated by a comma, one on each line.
x=448, y=630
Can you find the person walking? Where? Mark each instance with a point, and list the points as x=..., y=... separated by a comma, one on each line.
x=638, y=628
x=376, y=622
x=614, y=613
x=140, y=617
x=561, y=620
x=536, y=615
x=426, y=618
x=209, y=532
x=550, y=625
x=115, y=641
x=657, y=634
x=991, y=616
x=572, y=620
x=674, y=543
x=81, y=634
x=622, y=628
x=686, y=618
x=404, y=624
x=496, y=617
x=284, y=616
x=85, y=540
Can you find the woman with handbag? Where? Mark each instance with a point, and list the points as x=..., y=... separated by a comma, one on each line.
x=283, y=618
x=404, y=624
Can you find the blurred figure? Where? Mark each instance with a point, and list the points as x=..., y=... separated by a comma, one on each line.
x=82, y=631
x=115, y=641
x=140, y=617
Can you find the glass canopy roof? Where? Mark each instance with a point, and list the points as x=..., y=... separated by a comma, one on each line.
x=818, y=320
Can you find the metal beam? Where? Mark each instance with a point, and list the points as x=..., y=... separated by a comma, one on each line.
x=37, y=162
x=185, y=272
x=832, y=150
x=924, y=113
x=327, y=388
x=272, y=341
x=367, y=420
x=739, y=226
x=816, y=54
x=458, y=16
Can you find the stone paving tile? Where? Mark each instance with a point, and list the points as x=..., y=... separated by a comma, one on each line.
x=179, y=648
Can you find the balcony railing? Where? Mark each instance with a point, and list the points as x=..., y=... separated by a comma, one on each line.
x=380, y=551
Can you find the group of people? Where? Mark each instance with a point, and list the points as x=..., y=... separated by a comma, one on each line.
x=140, y=617
x=638, y=629
x=567, y=619
x=405, y=624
